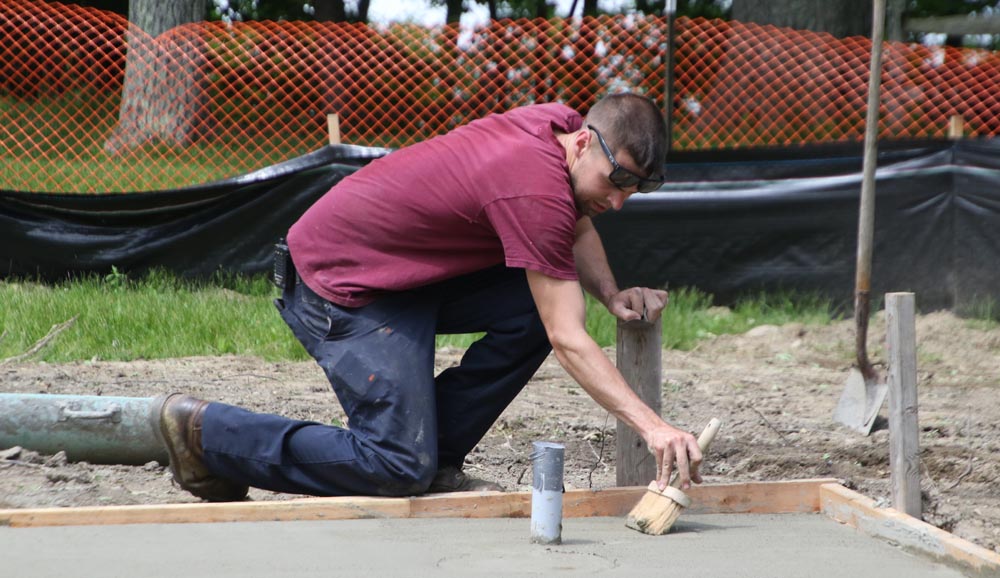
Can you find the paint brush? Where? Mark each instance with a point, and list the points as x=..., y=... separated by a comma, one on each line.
x=657, y=511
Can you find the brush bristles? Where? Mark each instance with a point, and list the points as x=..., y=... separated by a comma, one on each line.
x=656, y=513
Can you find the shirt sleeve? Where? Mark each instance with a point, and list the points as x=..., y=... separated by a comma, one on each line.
x=537, y=233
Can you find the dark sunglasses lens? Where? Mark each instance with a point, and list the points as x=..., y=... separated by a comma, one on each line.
x=648, y=186
x=625, y=179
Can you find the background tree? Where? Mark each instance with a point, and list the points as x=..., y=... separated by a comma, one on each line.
x=161, y=95
x=118, y=6
x=336, y=11
x=689, y=8
x=703, y=8
x=929, y=8
x=454, y=11
x=852, y=17
x=838, y=17
x=514, y=9
x=242, y=10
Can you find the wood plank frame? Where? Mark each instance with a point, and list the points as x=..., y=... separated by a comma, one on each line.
x=860, y=512
x=756, y=497
x=785, y=497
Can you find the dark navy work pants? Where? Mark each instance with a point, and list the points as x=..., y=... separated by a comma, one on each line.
x=404, y=422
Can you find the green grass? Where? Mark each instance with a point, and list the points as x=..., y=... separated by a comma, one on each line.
x=690, y=317
x=158, y=316
x=982, y=313
x=161, y=316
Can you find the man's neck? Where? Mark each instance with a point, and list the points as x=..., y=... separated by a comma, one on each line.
x=566, y=140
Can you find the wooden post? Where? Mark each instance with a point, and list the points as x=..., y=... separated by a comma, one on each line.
x=956, y=127
x=639, y=346
x=333, y=127
x=904, y=444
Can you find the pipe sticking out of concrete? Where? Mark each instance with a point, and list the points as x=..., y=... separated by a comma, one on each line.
x=95, y=429
x=546, y=492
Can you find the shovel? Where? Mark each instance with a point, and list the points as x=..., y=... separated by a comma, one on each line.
x=865, y=392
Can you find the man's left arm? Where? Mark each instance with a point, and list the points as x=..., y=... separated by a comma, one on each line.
x=597, y=279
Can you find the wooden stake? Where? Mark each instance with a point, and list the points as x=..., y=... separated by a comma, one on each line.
x=638, y=352
x=956, y=127
x=904, y=444
x=333, y=127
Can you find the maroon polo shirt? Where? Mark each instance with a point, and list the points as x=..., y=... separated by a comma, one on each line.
x=494, y=191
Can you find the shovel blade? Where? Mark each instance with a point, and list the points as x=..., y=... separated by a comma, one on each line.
x=860, y=402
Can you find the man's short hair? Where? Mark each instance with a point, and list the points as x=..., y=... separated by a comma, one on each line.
x=634, y=124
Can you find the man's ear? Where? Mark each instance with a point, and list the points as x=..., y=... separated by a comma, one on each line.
x=581, y=142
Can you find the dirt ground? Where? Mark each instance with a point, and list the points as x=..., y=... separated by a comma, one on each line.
x=775, y=389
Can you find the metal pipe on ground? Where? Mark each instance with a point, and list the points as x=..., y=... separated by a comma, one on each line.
x=546, y=492
x=95, y=429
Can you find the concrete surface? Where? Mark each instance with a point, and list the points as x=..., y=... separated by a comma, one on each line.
x=730, y=546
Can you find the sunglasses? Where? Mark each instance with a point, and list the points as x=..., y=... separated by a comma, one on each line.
x=622, y=177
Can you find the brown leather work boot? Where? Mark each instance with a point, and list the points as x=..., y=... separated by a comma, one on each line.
x=177, y=421
x=453, y=479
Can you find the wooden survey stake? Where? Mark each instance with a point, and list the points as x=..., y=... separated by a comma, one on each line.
x=333, y=127
x=639, y=359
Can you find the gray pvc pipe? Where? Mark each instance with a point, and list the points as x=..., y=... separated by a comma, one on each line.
x=95, y=429
x=546, y=492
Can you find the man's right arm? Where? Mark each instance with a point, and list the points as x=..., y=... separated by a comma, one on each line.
x=562, y=308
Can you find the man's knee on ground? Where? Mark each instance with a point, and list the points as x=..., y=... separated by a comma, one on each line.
x=407, y=476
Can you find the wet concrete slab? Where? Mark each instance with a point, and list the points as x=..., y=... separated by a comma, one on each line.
x=741, y=545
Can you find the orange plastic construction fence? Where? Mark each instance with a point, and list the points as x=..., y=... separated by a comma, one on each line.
x=90, y=104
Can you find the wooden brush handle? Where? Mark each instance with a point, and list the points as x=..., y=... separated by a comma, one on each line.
x=704, y=440
x=706, y=437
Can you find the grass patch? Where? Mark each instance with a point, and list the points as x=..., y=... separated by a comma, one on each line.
x=162, y=316
x=690, y=316
x=982, y=314
x=158, y=316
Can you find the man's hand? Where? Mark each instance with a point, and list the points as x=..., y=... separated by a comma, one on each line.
x=638, y=303
x=562, y=309
x=669, y=445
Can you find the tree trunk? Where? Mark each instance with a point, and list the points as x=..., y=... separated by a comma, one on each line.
x=572, y=10
x=590, y=7
x=162, y=96
x=329, y=11
x=840, y=18
x=655, y=7
x=363, y=6
x=454, y=11
x=894, y=20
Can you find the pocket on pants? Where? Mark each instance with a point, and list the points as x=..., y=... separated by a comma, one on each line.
x=358, y=384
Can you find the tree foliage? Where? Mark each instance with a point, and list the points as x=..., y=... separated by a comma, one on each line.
x=358, y=9
x=926, y=8
x=118, y=6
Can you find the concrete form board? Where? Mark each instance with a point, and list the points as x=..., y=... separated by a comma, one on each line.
x=732, y=545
